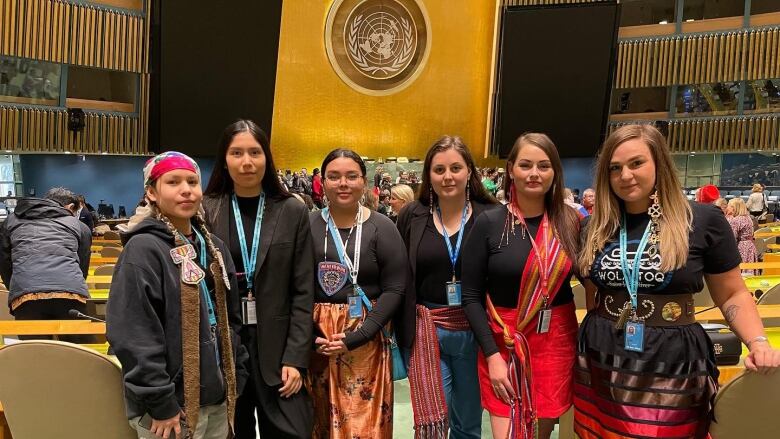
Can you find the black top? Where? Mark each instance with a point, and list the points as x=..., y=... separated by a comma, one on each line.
x=712, y=246
x=382, y=274
x=433, y=262
x=495, y=269
x=247, y=206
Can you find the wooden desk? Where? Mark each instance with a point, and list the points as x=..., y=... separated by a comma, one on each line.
x=50, y=327
x=102, y=261
x=758, y=265
x=766, y=234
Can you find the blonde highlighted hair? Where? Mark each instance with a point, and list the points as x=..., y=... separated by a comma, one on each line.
x=738, y=207
x=674, y=225
x=402, y=192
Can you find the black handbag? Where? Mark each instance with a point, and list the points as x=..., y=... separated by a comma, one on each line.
x=726, y=344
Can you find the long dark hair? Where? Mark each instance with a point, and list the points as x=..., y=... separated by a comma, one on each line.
x=343, y=152
x=563, y=218
x=220, y=182
x=477, y=191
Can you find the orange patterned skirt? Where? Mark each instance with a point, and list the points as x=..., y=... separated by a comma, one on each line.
x=353, y=392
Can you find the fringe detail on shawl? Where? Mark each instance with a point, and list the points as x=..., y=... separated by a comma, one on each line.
x=425, y=381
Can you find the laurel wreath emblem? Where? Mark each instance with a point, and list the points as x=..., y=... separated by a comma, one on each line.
x=360, y=60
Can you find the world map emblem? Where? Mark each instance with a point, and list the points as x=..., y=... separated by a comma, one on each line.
x=377, y=47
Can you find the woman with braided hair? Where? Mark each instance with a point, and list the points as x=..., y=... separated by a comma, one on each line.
x=173, y=314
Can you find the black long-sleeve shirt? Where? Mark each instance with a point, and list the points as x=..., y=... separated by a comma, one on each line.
x=382, y=272
x=490, y=268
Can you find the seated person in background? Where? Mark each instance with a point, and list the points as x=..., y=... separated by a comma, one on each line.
x=568, y=198
x=707, y=194
x=44, y=259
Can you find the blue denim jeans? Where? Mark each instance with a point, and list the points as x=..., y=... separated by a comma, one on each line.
x=458, y=352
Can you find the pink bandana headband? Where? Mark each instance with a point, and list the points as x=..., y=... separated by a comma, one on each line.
x=168, y=161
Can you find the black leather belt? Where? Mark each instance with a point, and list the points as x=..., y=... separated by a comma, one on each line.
x=653, y=309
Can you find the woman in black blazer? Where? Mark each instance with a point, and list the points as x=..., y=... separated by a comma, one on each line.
x=443, y=361
x=268, y=234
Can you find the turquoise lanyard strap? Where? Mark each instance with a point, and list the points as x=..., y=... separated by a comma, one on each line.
x=249, y=260
x=341, y=247
x=454, y=254
x=631, y=273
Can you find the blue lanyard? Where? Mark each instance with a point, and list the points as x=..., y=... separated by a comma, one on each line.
x=250, y=261
x=203, y=287
x=453, y=254
x=631, y=274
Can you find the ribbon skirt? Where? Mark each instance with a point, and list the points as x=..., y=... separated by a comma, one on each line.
x=552, y=362
x=353, y=392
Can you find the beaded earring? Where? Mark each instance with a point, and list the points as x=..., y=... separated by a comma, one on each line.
x=655, y=211
x=430, y=199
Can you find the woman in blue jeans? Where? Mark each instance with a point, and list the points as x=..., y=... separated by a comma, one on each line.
x=443, y=361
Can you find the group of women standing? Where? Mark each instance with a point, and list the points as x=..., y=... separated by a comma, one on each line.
x=476, y=295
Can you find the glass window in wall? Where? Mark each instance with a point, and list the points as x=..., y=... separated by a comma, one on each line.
x=706, y=9
x=702, y=169
x=764, y=6
x=27, y=81
x=762, y=96
x=641, y=12
x=640, y=100
x=715, y=99
x=746, y=169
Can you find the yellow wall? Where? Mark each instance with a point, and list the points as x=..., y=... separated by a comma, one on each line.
x=314, y=111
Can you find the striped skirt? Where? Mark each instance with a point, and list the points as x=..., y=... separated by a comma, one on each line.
x=667, y=391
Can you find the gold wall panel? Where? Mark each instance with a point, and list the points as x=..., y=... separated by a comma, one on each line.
x=315, y=111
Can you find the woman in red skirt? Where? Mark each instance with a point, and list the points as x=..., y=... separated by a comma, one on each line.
x=519, y=263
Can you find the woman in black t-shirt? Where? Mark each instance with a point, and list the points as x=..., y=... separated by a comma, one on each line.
x=645, y=368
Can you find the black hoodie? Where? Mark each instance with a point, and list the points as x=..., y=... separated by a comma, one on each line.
x=144, y=325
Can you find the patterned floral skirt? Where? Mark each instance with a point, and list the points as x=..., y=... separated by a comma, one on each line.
x=353, y=392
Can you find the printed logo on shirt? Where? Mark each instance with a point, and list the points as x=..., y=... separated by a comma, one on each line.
x=607, y=272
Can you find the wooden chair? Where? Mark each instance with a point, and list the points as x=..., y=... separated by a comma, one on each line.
x=110, y=252
x=579, y=296
x=104, y=270
x=771, y=297
x=53, y=389
x=111, y=236
x=746, y=407
x=111, y=244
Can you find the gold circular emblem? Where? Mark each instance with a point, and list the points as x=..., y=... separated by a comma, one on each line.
x=671, y=311
x=377, y=47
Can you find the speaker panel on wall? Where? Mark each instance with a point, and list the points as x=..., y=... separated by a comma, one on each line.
x=211, y=63
x=555, y=75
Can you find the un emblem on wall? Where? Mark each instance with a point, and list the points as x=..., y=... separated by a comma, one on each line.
x=378, y=47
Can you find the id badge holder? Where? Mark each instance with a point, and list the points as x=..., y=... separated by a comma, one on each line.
x=355, y=304
x=635, y=336
x=545, y=316
x=453, y=293
x=248, y=310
